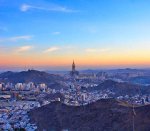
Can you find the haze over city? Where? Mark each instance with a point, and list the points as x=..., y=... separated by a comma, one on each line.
x=96, y=34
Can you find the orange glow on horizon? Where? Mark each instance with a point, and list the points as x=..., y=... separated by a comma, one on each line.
x=94, y=60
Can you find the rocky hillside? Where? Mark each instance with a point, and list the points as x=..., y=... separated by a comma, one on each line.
x=29, y=76
x=103, y=115
x=122, y=88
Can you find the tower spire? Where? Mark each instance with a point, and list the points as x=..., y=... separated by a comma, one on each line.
x=73, y=66
x=74, y=72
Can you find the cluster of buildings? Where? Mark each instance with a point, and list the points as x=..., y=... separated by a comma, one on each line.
x=16, y=100
x=14, y=115
x=136, y=99
x=30, y=86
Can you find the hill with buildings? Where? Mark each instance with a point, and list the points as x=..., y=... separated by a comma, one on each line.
x=145, y=80
x=118, y=87
x=29, y=76
x=121, y=88
x=102, y=115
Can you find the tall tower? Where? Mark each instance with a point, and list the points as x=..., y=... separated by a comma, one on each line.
x=73, y=66
x=74, y=72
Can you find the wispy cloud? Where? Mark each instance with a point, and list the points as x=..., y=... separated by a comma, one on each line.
x=95, y=50
x=105, y=50
x=27, y=7
x=23, y=48
x=51, y=49
x=56, y=33
x=91, y=50
x=16, y=38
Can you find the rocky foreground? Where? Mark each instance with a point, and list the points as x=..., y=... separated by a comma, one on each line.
x=103, y=115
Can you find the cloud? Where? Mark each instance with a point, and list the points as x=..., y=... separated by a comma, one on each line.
x=16, y=38
x=26, y=37
x=27, y=7
x=56, y=33
x=51, y=49
x=105, y=50
x=91, y=50
x=95, y=50
x=24, y=48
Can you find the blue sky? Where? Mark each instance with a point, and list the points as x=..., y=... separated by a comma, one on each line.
x=75, y=27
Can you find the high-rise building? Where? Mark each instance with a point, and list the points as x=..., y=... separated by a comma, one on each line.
x=73, y=66
x=74, y=72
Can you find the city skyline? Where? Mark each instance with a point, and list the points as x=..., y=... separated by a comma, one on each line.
x=96, y=34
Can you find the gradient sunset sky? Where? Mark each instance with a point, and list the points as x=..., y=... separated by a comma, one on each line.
x=49, y=34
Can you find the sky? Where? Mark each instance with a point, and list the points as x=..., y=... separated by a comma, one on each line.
x=50, y=34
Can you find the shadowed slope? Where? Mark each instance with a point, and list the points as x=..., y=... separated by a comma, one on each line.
x=103, y=115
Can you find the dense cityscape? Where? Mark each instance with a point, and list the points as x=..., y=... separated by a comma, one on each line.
x=75, y=89
x=74, y=65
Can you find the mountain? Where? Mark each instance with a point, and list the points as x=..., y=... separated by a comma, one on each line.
x=121, y=88
x=102, y=115
x=128, y=70
x=57, y=72
x=140, y=80
x=29, y=76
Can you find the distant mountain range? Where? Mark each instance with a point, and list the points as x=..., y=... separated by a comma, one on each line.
x=125, y=70
x=103, y=115
x=29, y=76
